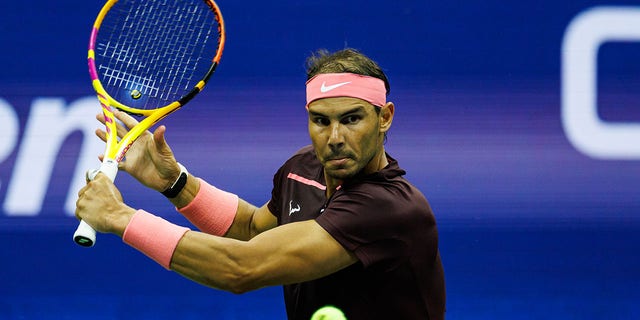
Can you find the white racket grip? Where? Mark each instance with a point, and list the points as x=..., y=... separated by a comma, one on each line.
x=109, y=167
x=85, y=235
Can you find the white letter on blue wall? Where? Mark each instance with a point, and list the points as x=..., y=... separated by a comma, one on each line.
x=8, y=130
x=50, y=123
x=584, y=36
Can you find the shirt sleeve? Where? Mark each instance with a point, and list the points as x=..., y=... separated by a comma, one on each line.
x=377, y=227
x=274, y=202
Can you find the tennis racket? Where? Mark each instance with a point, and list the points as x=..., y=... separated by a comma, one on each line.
x=148, y=58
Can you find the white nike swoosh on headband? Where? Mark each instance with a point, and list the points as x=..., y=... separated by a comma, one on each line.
x=325, y=89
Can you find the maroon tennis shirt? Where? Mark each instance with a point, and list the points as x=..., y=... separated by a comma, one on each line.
x=385, y=221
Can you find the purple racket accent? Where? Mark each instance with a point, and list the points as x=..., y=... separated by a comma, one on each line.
x=92, y=69
x=92, y=38
x=92, y=62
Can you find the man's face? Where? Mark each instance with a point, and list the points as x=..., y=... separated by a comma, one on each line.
x=346, y=135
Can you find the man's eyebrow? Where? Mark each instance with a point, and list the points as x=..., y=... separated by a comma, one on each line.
x=316, y=114
x=356, y=109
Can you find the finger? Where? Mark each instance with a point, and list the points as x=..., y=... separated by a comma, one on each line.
x=160, y=141
x=126, y=119
x=82, y=191
x=101, y=134
x=120, y=128
x=91, y=174
x=77, y=213
x=100, y=117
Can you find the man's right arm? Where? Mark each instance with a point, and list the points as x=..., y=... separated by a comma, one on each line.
x=151, y=161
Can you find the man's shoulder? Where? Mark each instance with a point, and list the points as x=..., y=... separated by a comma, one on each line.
x=303, y=160
x=305, y=155
x=308, y=149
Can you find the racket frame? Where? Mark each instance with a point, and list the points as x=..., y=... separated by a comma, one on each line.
x=115, y=150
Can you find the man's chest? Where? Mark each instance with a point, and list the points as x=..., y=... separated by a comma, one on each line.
x=301, y=200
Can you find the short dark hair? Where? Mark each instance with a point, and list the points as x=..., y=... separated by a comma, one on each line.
x=344, y=61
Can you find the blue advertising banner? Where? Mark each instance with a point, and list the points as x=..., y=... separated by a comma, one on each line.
x=519, y=121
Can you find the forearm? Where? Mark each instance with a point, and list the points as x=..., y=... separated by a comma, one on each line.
x=210, y=209
x=215, y=262
x=221, y=213
x=270, y=258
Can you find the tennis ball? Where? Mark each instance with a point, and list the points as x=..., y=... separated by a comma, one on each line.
x=136, y=94
x=328, y=313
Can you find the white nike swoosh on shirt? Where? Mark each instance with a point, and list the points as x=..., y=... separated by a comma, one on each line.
x=325, y=88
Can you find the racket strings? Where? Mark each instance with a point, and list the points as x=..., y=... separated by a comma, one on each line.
x=158, y=48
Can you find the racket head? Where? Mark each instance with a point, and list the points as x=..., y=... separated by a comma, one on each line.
x=146, y=55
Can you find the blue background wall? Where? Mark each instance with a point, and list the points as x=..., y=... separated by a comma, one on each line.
x=530, y=226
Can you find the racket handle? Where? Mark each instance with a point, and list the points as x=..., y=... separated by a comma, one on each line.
x=85, y=235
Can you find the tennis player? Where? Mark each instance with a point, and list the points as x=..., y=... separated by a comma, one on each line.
x=342, y=226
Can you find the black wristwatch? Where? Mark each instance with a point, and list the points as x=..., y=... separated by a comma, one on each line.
x=178, y=185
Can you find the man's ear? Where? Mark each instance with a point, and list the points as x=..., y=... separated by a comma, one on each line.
x=386, y=116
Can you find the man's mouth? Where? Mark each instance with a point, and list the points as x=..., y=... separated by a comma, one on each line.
x=337, y=161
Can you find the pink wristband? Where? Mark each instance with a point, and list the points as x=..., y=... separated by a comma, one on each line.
x=212, y=210
x=155, y=237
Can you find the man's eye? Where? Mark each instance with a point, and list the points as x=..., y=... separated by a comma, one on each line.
x=321, y=121
x=351, y=119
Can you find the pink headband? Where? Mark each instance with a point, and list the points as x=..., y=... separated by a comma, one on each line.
x=330, y=85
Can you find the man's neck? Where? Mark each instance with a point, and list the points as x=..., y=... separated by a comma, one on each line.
x=376, y=164
x=332, y=186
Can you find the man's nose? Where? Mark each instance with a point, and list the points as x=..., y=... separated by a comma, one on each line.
x=336, y=137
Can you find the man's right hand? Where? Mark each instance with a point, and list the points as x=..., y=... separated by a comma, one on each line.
x=150, y=159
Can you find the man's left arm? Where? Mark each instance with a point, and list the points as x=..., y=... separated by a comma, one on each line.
x=290, y=253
